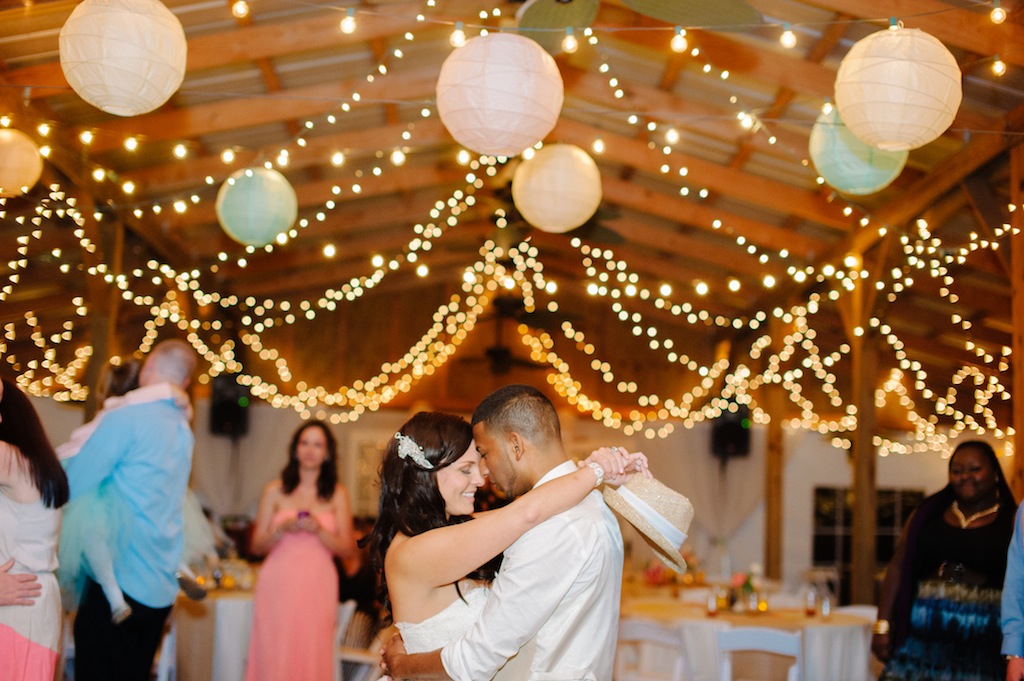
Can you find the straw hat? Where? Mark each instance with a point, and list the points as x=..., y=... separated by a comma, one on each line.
x=661, y=514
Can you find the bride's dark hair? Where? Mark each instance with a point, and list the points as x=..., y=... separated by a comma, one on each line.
x=410, y=501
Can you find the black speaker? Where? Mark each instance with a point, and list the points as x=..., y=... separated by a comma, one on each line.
x=229, y=407
x=730, y=434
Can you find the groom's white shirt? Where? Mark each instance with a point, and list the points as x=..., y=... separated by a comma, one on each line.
x=559, y=584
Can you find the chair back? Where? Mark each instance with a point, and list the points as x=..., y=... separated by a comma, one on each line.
x=632, y=658
x=759, y=639
x=345, y=612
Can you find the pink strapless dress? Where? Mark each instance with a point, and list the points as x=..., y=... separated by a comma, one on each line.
x=295, y=609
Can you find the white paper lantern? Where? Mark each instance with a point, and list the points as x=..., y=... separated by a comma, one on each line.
x=847, y=163
x=558, y=189
x=126, y=57
x=898, y=89
x=499, y=94
x=20, y=162
x=254, y=205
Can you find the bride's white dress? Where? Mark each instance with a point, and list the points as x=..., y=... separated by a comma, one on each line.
x=446, y=626
x=454, y=621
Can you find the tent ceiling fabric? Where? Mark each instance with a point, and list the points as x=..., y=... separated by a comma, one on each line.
x=716, y=261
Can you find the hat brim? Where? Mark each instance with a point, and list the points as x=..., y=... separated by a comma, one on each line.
x=663, y=548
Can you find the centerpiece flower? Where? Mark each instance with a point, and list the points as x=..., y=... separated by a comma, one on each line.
x=748, y=582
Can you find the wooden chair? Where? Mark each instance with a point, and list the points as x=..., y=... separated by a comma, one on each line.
x=635, y=636
x=357, y=655
x=345, y=612
x=759, y=639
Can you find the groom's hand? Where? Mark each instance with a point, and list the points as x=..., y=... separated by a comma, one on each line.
x=391, y=655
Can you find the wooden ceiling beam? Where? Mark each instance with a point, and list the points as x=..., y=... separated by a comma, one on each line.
x=955, y=25
x=315, y=194
x=759, y=191
x=688, y=114
x=240, y=112
x=731, y=259
x=170, y=177
x=262, y=41
x=703, y=217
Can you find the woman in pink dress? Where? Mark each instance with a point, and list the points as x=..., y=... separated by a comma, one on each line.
x=303, y=521
x=33, y=487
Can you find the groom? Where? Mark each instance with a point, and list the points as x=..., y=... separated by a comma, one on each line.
x=559, y=584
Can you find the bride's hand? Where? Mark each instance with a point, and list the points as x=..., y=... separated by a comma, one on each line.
x=618, y=464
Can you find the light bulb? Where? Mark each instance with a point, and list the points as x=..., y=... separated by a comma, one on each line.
x=569, y=42
x=679, y=43
x=348, y=24
x=998, y=14
x=240, y=9
x=458, y=36
x=998, y=66
x=788, y=38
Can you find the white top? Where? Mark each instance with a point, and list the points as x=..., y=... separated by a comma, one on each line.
x=29, y=535
x=560, y=584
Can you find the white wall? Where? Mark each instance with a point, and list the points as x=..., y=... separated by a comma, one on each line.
x=230, y=481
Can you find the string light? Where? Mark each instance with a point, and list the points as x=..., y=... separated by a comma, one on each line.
x=348, y=24
x=998, y=66
x=569, y=42
x=679, y=42
x=458, y=37
x=998, y=14
x=629, y=387
x=240, y=9
x=788, y=38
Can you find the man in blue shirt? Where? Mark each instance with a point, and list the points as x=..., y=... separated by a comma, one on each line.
x=1013, y=603
x=144, y=453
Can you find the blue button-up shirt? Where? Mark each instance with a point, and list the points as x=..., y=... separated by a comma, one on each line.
x=145, y=451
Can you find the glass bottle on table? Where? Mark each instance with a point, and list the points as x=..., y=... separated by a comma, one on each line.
x=810, y=602
x=713, y=597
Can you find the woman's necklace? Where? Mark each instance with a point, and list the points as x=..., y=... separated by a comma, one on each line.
x=965, y=521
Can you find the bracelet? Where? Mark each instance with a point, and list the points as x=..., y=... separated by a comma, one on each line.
x=881, y=627
x=598, y=471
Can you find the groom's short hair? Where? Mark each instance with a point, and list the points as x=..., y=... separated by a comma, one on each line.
x=522, y=409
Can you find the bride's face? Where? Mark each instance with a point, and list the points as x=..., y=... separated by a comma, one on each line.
x=459, y=482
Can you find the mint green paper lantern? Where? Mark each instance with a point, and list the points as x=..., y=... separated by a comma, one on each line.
x=847, y=163
x=254, y=205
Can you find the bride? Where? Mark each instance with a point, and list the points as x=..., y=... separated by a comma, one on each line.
x=429, y=549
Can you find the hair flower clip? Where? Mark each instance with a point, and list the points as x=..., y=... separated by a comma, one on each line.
x=407, y=448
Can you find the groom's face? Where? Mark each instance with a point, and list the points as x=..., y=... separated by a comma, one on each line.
x=495, y=460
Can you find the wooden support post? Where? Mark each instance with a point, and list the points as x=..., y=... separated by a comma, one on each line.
x=773, y=484
x=1017, y=305
x=103, y=302
x=855, y=311
x=865, y=521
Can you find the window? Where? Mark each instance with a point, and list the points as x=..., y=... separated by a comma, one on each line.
x=833, y=528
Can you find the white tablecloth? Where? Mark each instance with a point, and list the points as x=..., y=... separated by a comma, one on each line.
x=835, y=649
x=213, y=636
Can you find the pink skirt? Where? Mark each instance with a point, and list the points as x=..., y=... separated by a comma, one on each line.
x=30, y=636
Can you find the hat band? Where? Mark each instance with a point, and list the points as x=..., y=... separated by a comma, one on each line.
x=674, y=535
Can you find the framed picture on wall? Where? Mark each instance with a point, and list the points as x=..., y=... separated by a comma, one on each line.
x=362, y=468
